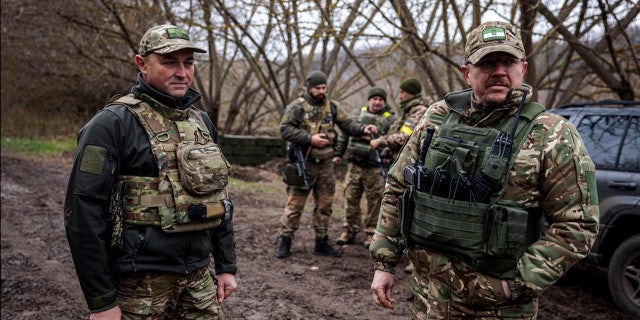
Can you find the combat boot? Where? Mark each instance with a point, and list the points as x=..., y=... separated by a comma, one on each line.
x=346, y=237
x=323, y=248
x=285, y=247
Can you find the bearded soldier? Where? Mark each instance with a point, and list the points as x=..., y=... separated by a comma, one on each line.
x=308, y=123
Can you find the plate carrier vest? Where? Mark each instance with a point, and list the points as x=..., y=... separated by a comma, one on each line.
x=313, y=124
x=359, y=147
x=447, y=218
x=190, y=193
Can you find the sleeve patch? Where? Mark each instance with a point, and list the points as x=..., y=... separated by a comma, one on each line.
x=593, y=189
x=93, y=158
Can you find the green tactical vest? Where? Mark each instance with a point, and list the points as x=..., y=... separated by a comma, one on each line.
x=449, y=219
x=359, y=147
x=190, y=192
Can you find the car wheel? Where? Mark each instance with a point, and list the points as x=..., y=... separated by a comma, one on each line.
x=624, y=276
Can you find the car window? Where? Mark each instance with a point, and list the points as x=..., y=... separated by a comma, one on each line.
x=630, y=156
x=603, y=135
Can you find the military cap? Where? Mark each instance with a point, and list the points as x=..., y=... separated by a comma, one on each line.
x=377, y=92
x=494, y=36
x=164, y=39
x=316, y=78
x=411, y=86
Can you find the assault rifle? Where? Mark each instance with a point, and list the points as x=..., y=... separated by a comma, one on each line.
x=418, y=175
x=501, y=150
x=383, y=172
x=301, y=164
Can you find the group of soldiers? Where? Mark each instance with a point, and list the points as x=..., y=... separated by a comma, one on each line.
x=470, y=182
x=369, y=156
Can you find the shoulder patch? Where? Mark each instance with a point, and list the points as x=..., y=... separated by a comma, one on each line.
x=93, y=158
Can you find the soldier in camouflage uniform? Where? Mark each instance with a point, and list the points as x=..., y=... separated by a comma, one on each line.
x=412, y=107
x=142, y=239
x=480, y=249
x=309, y=122
x=364, y=175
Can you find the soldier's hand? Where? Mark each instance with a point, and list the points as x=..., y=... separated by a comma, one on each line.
x=371, y=128
x=320, y=140
x=381, y=289
x=374, y=144
x=111, y=314
x=226, y=286
x=336, y=160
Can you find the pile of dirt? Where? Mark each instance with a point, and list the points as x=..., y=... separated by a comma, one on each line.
x=39, y=282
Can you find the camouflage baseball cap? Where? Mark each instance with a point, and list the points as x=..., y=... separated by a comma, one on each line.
x=164, y=39
x=494, y=36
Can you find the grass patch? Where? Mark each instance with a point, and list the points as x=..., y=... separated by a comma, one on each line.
x=39, y=147
x=259, y=186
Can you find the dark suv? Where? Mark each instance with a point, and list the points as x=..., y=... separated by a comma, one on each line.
x=611, y=131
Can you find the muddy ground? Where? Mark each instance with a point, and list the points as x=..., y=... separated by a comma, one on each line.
x=39, y=282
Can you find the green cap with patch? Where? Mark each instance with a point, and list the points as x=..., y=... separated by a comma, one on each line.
x=164, y=39
x=494, y=36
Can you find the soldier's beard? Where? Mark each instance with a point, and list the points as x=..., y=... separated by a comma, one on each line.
x=320, y=97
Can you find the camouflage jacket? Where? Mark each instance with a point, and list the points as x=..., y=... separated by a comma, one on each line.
x=294, y=126
x=552, y=172
x=121, y=147
x=412, y=111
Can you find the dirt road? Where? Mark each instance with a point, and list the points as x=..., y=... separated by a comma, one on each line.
x=39, y=282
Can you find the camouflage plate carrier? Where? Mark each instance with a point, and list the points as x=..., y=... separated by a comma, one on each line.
x=190, y=192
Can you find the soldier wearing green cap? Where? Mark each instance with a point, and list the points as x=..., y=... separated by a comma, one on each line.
x=412, y=106
x=308, y=123
x=470, y=214
x=364, y=173
x=144, y=224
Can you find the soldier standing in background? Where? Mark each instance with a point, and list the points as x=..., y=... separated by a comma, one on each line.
x=413, y=108
x=470, y=214
x=142, y=222
x=309, y=122
x=364, y=175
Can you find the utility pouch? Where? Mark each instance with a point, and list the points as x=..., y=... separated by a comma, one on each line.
x=203, y=168
x=291, y=177
x=117, y=210
x=494, y=166
x=405, y=215
x=507, y=229
x=506, y=240
x=189, y=212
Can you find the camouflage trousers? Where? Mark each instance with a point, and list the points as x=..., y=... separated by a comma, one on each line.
x=445, y=288
x=361, y=180
x=162, y=295
x=323, y=191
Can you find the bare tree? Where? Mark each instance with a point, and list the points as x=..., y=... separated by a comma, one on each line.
x=260, y=51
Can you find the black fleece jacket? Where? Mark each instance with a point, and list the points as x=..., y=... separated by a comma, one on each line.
x=127, y=150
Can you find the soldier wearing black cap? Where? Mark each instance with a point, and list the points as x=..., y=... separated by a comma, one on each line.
x=364, y=176
x=308, y=122
x=141, y=237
